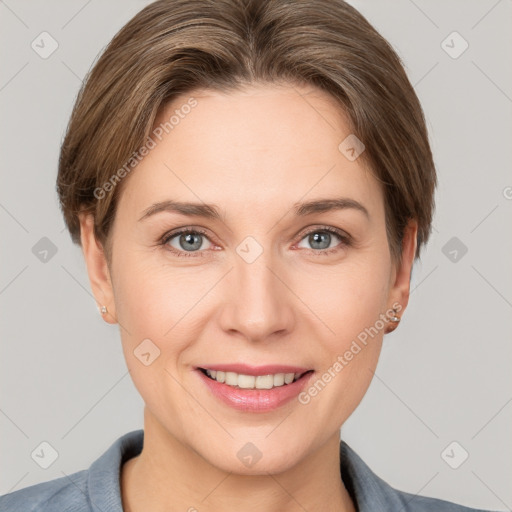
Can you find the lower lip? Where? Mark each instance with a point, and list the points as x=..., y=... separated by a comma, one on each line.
x=255, y=400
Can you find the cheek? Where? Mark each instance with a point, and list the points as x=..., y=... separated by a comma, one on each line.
x=158, y=307
x=347, y=299
x=348, y=355
x=152, y=296
x=349, y=302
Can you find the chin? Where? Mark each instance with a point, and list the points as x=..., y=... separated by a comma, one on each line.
x=258, y=457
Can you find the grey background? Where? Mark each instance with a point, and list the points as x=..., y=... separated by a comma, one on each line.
x=444, y=374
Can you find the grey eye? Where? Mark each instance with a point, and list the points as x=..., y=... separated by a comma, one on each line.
x=189, y=242
x=320, y=239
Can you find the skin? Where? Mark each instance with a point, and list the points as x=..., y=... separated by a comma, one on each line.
x=254, y=153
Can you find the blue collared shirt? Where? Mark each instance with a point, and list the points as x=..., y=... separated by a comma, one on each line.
x=97, y=489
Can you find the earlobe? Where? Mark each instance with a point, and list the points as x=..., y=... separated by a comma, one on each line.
x=97, y=269
x=400, y=291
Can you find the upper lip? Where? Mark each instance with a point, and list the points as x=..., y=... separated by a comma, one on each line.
x=245, y=369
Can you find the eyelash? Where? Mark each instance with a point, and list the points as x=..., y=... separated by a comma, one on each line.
x=346, y=241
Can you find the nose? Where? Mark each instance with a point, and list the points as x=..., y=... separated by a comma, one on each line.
x=258, y=303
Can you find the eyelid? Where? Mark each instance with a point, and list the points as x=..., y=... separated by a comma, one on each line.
x=331, y=229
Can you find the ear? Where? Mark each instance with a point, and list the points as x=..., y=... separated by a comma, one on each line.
x=401, y=276
x=97, y=268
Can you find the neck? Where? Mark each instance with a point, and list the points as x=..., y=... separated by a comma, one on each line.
x=169, y=475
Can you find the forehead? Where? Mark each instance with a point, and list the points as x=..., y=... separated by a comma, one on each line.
x=251, y=149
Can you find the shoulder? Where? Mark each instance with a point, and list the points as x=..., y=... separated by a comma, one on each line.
x=88, y=490
x=66, y=493
x=370, y=492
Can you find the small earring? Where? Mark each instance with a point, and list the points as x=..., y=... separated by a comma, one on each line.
x=394, y=318
x=103, y=309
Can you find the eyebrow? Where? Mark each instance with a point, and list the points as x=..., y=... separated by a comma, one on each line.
x=211, y=211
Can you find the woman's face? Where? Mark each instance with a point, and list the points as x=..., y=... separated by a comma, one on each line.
x=261, y=282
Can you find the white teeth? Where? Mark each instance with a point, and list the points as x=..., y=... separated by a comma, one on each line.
x=264, y=382
x=278, y=379
x=251, y=381
x=231, y=378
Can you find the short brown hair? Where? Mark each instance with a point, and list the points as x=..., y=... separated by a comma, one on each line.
x=172, y=47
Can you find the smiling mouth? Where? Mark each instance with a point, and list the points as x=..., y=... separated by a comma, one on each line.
x=243, y=381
